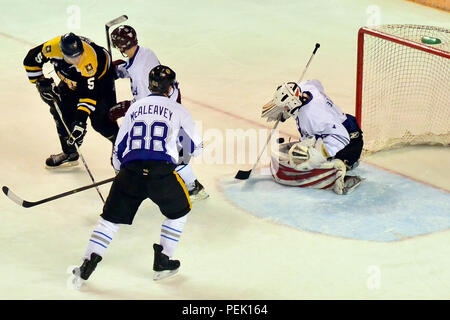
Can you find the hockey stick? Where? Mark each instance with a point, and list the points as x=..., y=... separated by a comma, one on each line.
x=244, y=175
x=108, y=25
x=78, y=150
x=29, y=204
x=111, y=23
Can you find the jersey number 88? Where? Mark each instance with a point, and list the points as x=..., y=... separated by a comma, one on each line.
x=150, y=137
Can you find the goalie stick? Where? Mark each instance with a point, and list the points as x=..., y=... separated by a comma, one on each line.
x=244, y=175
x=29, y=204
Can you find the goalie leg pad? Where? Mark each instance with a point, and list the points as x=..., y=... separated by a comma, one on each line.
x=319, y=178
x=327, y=175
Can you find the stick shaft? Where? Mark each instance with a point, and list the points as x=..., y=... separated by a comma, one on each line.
x=108, y=41
x=265, y=145
x=317, y=46
x=108, y=25
x=28, y=204
x=111, y=23
x=78, y=150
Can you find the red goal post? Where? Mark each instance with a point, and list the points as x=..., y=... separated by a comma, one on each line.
x=403, y=85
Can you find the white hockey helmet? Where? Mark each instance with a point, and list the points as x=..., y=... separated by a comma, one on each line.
x=289, y=95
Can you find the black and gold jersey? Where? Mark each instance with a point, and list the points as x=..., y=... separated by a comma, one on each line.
x=84, y=78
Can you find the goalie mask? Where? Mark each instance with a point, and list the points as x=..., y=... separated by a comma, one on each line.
x=286, y=102
x=290, y=96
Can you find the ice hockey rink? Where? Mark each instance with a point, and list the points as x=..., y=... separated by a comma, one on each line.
x=256, y=240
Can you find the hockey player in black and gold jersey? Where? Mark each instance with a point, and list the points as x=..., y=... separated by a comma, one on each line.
x=86, y=90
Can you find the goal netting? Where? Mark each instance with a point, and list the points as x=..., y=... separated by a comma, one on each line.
x=403, y=86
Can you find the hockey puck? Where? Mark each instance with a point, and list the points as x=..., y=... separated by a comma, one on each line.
x=430, y=40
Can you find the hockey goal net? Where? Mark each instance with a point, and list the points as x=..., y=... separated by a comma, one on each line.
x=403, y=86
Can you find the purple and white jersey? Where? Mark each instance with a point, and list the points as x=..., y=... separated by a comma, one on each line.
x=150, y=131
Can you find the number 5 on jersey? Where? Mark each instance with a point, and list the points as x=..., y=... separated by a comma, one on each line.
x=91, y=83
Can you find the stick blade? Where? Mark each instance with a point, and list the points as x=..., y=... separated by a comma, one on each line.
x=117, y=20
x=14, y=197
x=243, y=175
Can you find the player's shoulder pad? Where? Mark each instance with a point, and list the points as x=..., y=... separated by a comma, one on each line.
x=50, y=49
x=89, y=63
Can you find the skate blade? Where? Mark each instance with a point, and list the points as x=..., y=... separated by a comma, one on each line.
x=65, y=165
x=77, y=282
x=199, y=196
x=352, y=188
x=159, y=275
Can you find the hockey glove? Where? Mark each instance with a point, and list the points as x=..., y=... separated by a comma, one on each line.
x=77, y=134
x=119, y=110
x=48, y=90
x=121, y=71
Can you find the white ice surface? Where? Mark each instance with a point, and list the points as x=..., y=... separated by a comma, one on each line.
x=229, y=57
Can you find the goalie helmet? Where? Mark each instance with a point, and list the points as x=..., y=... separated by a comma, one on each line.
x=160, y=79
x=71, y=45
x=289, y=95
x=124, y=37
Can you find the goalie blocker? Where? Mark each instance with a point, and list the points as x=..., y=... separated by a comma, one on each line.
x=303, y=164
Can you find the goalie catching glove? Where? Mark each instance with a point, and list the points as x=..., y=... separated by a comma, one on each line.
x=308, y=154
x=286, y=102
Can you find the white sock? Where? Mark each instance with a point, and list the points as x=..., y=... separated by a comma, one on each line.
x=186, y=173
x=170, y=234
x=101, y=237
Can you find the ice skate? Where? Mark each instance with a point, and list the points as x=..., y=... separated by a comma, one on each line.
x=84, y=272
x=62, y=160
x=197, y=192
x=351, y=183
x=354, y=166
x=163, y=267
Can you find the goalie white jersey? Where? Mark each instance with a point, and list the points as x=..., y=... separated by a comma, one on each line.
x=137, y=69
x=321, y=118
x=150, y=130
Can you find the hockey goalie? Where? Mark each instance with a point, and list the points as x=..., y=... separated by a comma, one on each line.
x=331, y=141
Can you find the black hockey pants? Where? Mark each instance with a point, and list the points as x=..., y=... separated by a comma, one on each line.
x=352, y=152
